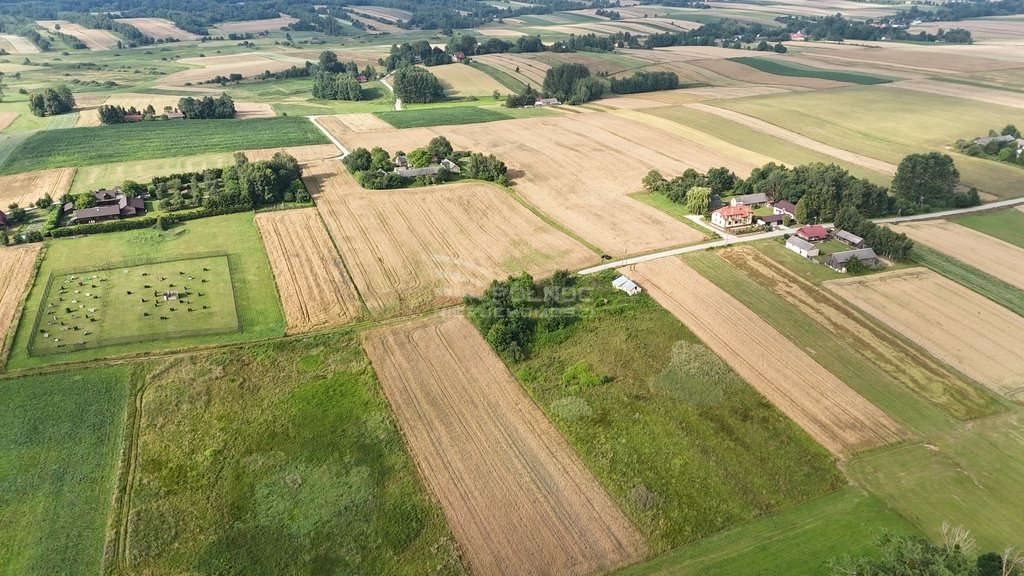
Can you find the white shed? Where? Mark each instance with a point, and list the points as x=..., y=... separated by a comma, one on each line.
x=626, y=285
x=802, y=247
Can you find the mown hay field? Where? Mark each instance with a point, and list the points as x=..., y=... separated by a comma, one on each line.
x=517, y=498
x=832, y=413
x=31, y=186
x=303, y=154
x=247, y=64
x=18, y=264
x=93, y=39
x=579, y=171
x=973, y=334
x=255, y=26
x=158, y=28
x=414, y=248
x=315, y=288
x=17, y=44
x=460, y=80
x=977, y=249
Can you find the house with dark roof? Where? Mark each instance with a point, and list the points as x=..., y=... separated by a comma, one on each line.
x=784, y=207
x=96, y=214
x=772, y=220
x=752, y=200
x=814, y=233
x=838, y=260
x=732, y=216
x=849, y=239
x=110, y=205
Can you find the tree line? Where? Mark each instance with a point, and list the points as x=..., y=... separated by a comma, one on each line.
x=335, y=80
x=417, y=85
x=837, y=28
x=645, y=82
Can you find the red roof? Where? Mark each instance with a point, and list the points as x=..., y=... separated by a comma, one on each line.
x=738, y=210
x=813, y=232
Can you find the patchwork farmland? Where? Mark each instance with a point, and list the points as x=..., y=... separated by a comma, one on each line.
x=984, y=252
x=159, y=28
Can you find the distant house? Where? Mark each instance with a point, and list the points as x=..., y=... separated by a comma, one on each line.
x=547, y=102
x=732, y=216
x=3, y=219
x=175, y=115
x=838, y=260
x=626, y=285
x=850, y=239
x=798, y=36
x=68, y=208
x=445, y=164
x=361, y=79
x=402, y=161
x=110, y=205
x=133, y=117
x=459, y=56
x=989, y=139
x=802, y=247
x=813, y=233
x=752, y=200
x=785, y=208
x=772, y=220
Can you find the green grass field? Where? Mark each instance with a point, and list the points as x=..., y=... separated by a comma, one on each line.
x=676, y=437
x=1007, y=225
x=60, y=437
x=147, y=140
x=278, y=458
x=780, y=68
x=99, y=176
x=126, y=305
x=255, y=294
x=1002, y=293
x=914, y=122
x=459, y=114
x=501, y=77
x=796, y=542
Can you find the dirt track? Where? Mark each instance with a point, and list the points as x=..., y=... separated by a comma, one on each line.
x=31, y=186
x=970, y=332
x=17, y=264
x=415, y=248
x=311, y=279
x=986, y=253
x=516, y=496
x=833, y=414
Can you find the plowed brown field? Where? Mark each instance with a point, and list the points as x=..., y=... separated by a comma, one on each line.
x=516, y=496
x=31, y=186
x=311, y=278
x=832, y=413
x=907, y=364
x=579, y=170
x=414, y=248
x=967, y=330
x=986, y=253
x=17, y=264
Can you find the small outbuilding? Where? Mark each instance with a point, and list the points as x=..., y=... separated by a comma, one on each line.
x=814, y=233
x=626, y=285
x=802, y=247
x=838, y=260
x=3, y=219
x=850, y=239
x=772, y=220
x=752, y=200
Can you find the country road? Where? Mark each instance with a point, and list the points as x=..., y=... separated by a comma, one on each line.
x=344, y=151
x=730, y=239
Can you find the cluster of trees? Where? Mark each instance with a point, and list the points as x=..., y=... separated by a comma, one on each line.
x=837, y=28
x=929, y=182
x=778, y=48
x=409, y=54
x=1003, y=146
x=645, y=82
x=609, y=14
x=36, y=38
x=294, y=72
x=718, y=33
x=481, y=167
x=884, y=241
x=819, y=190
x=244, y=185
x=374, y=169
x=208, y=107
x=956, y=555
x=417, y=85
x=572, y=83
x=527, y=97
x=692, y=188
x=51, y=101
x=115, y=114
x=470, y=46
x=335, y=80
x=221, y=79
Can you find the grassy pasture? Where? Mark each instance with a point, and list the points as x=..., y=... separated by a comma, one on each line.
x=780, y=68
x=698, y=477
x=255, y=295
x=277, y=458
x=888, y=123
x=148, y=140
x=795, y=542
x=60, y=437
x=108, y=175
x=677, y=211
x=1007, y=225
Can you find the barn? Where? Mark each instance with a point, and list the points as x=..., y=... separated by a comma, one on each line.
x=3, y=219
x=838, y=260
x=802, y=247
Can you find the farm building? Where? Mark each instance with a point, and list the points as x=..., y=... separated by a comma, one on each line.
x=813, y=233
x=716, y=202
x=547, y=102
x=802, y=247
x=838, y=260
x=3, y=219
x=402, y=161
x=990, y=139
x=784, y=207
x=133, y=117
x=110, y=205
x=175, y=115
x=850, y=239
x=732, y=216
x=445, y=164
x=752, y=200
x=626, y=285
x=770, y=220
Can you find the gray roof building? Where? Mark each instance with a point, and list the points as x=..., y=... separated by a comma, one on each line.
x=750, y=199
x=850, y=239
x=838, y=260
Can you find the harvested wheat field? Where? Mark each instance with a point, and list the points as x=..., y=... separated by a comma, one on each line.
x=158, y=29
x=833, y=414
x=529, y=71
x=310, y=276
x=247, y=64
x=92, y=38
x=747, y=74
x=18, y=264
x=517, y=498
x=17, y=44
x=411, y=249
x=304, y=154
x=986, y=253
x=968, y=331
x=248, y=110
x=579, y=170
x=392, y=14
x=31, y=186
x=6, y=119
x=987, y=95
x=349, y=123
x=256, y=26
x=907, y=364
x=462, y=81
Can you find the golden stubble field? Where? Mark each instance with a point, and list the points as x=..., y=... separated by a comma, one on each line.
x=17, y=266
x=348, y=123
x=247, y=64
x=31, y=186
x=411, y=249
x=304, y=154
x=158, y=28
x=986, y=253
x=315, y=289
x=516, y=496
x=968, y=331
x=836, y=416
x=92, y=38
x=256, y=26
x=579, y=171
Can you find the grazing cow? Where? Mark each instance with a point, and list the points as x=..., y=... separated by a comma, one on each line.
x=164, y=318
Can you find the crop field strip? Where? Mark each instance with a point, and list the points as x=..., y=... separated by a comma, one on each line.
x=411, y=249
x=7, y=118
x=246, y=64
x=969, y=332
x=18, y=264
x=93, y=39
x=839, y=418
x=517, y=498
x=348, y=123
x=28, y=187
x=311, y=278
x=255, y=26
x=18, y=44
x=987, y=253
x=158, y=28
x=987, y=95
x=579, y=171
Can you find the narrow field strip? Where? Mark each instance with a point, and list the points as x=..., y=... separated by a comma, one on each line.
x=517, y=498
x=835, y=415
x=986, y=253
x=17, y=266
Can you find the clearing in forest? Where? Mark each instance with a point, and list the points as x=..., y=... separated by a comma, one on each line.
x=311, y=278
x=517, y=498
x=829, y=410
x=971, y=333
